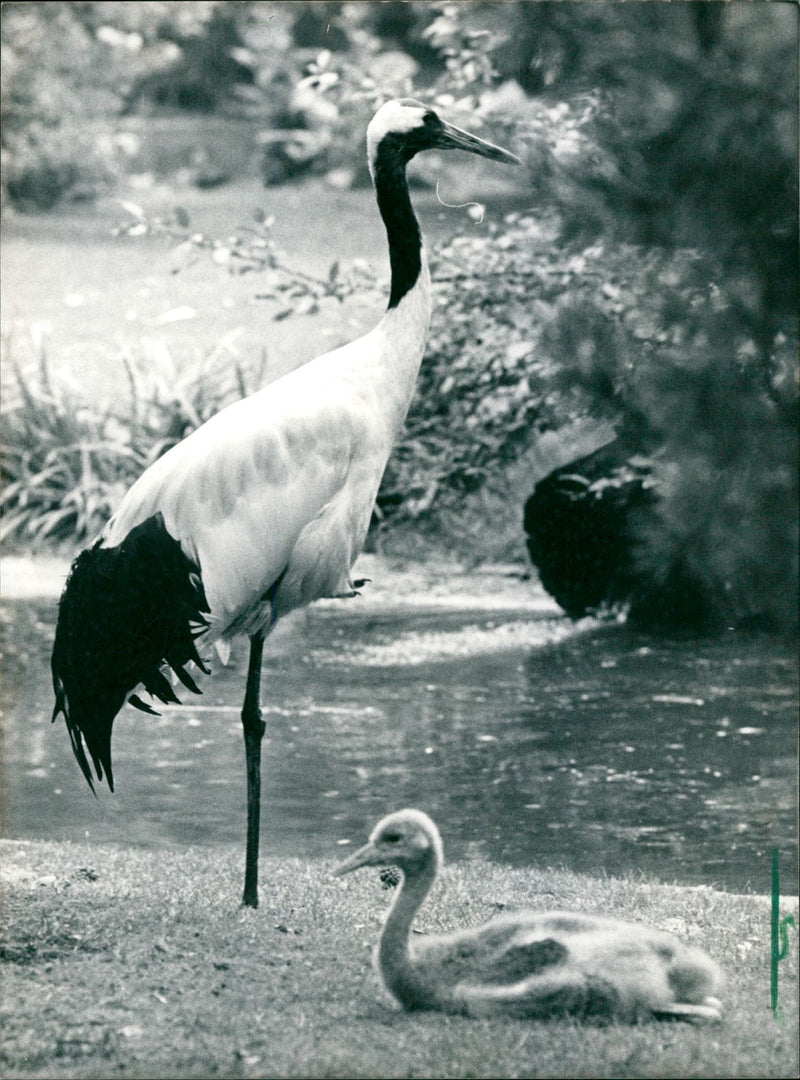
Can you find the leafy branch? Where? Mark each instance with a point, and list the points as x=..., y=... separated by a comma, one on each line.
x=252, y=249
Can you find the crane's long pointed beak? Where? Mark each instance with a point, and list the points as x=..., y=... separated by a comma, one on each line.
x=365, y=856
x=453, y=138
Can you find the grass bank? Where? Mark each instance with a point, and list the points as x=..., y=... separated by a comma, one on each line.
x=122, y=962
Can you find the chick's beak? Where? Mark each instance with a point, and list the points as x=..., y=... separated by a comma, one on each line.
x=368, y=855
x=453, y=138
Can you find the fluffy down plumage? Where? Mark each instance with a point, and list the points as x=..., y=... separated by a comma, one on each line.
x=529, y=963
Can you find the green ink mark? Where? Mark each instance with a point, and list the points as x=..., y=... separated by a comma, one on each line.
x=779, y=937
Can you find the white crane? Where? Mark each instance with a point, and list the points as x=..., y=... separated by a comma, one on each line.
x=261, y=510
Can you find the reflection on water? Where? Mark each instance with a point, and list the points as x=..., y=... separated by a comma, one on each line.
x=598, y=750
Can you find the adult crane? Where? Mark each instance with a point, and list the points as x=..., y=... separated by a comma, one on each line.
x=261, y=510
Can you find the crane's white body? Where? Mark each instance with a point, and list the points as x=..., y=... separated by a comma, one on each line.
x=282, y=484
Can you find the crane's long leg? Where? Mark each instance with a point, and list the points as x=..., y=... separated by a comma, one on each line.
x=253, y=734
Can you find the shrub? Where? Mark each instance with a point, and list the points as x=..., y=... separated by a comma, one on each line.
x=651, y=338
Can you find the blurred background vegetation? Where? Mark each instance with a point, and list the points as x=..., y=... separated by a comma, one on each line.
x=615, y=353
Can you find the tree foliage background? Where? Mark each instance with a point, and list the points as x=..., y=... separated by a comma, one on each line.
x=647, y=276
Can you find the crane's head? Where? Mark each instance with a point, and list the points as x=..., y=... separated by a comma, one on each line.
x=407, y=838
x=404, y=127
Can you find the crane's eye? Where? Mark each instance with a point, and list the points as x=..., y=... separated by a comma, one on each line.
x=392, y=837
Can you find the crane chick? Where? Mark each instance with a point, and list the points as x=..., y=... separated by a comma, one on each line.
x=528, y=963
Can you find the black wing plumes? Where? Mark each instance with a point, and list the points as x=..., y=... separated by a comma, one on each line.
x=124, y=613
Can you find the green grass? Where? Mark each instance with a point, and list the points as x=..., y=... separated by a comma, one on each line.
x=122, y=962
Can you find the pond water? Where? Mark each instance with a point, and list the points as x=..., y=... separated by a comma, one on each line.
x=531, y=741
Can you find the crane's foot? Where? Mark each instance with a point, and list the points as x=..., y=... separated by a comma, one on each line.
x=354, y=591
x=709, y=1011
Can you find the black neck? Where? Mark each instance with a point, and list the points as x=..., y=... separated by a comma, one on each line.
x=402, y=228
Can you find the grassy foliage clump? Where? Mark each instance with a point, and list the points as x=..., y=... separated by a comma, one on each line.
x=140, y=964
x=68, y=458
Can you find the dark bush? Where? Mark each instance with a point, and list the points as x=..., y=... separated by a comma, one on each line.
x=579, y=524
